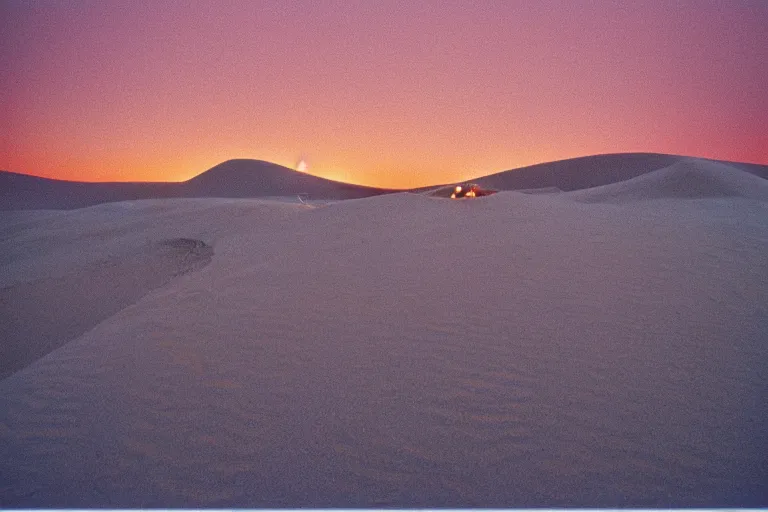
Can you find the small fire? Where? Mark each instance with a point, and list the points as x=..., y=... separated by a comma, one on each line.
x=470, y=190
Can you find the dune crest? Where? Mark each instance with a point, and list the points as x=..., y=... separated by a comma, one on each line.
x=256, y=178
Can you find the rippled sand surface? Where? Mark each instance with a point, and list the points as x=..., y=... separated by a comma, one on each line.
x=511, y=351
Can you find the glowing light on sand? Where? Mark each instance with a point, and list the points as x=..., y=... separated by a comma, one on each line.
x=472, y=190
x=302, y=166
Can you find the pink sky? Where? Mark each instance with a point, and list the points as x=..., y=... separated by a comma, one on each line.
x=397, y=94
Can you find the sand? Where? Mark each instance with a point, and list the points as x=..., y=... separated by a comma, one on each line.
x=42, y=315
x=594, y=348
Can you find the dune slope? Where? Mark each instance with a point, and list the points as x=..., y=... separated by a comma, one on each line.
x=593, y=171
x=23, y=192
x=401, y=350
x=39, y=316
x=686, y=179
x=254, y=178
x=65, y=272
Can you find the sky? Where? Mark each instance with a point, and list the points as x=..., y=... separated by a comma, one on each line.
x=387, y=93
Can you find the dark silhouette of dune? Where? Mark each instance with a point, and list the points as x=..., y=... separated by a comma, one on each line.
x=254, y=178
x=23, y=192
x=233, y=178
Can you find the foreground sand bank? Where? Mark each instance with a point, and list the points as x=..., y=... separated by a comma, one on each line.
x=517, y=350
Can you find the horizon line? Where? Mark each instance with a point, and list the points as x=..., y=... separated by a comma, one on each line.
x=160, y=182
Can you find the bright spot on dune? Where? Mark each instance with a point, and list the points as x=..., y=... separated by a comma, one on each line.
x=302, y=166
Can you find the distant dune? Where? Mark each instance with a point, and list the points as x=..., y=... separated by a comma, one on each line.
x=254, y=178
x=233, y=178
x=593, y=171
x=685, y=179
x=23, y=192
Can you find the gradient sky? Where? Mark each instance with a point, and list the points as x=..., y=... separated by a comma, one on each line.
x=383, y=93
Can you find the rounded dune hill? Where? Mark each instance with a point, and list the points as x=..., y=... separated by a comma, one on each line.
x=595, y=171
x=230, y=179
x=257, y=178
x=688, y=178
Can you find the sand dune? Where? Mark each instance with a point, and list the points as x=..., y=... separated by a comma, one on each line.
x=231, y=179
x=593, y=171
x=22, y=192
x=686, y=179
x=517, y=350
x=39, y=316
x=64, y=272
x=253, y=178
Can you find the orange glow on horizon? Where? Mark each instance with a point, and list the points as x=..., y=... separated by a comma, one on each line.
x=172, y=169
x=392, y=95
